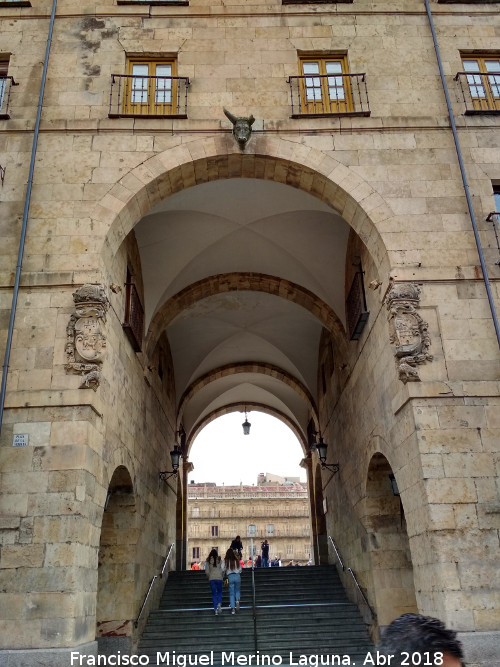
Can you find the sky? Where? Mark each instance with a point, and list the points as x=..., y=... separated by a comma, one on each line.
x=222, y=454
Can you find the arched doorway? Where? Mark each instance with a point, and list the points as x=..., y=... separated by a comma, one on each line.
x=252, y=485
x=116, y=604
x=390, y=556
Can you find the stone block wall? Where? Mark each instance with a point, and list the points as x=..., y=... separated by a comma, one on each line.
x=393, y=176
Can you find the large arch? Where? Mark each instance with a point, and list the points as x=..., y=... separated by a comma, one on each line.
x=213, y=158
x=248, y=367
x=281, y=161
x=235, y=407
x=223, y=283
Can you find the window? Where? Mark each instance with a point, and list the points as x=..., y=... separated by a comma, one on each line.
x=196, y=553
x=15, y=3
x=270, y=529
x=496, y=194
x=5, y=85
x=325, y=88
x=483, y=79
x=133, y=323
x=215, y=531
x=151, y=87
x=356, y=309
x=196, y=511
x=4, y=68
x=251, y=529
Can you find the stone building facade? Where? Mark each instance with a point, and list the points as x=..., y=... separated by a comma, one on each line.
x=220, y=205
x=278, y=513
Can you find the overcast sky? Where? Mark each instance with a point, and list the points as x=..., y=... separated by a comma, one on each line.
x=222, y=454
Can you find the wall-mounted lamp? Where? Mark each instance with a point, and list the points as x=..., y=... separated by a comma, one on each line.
x=321, y=448
x=246, y=425
x=175, y=457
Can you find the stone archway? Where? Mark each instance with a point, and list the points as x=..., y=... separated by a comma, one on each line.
x=240, y=407
x=213, y=158
x=115, y=607
x=223, y=283
x=385, y=523
x=281, y=161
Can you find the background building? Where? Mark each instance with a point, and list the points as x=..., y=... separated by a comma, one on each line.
x=275, y=509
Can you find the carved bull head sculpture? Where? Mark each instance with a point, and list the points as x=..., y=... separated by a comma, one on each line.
x=242, y=127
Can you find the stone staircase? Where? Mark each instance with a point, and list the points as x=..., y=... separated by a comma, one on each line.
x=299, y=611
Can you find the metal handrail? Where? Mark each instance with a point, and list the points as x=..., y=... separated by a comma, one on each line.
x=348, y=569
x=151, y=584
x=337, y=552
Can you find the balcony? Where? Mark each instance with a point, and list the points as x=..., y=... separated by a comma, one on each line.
x=299, y=532
x=148, y=96
x=356, y=312
x=254, y=514
x=133, y=324
x=321, y=95
x=480, y=92
x=6, y=83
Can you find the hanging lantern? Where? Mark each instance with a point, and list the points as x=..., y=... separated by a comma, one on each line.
x=246, y=425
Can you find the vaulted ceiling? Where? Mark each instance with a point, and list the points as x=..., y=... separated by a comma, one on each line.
x=249, y=347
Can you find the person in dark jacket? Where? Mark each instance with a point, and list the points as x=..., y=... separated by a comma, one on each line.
x=237, y=545
x=265, y=553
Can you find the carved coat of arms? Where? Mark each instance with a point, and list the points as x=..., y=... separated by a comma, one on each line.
x=86, y=342
x=409, y=332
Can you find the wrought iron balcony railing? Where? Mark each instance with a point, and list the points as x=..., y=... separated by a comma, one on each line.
x=148, y=96
x=317, y=95
x=259, y=535
x=133, y=324
x=6, y=83
x=480, y=92
x=356, y=311
x=255, y=514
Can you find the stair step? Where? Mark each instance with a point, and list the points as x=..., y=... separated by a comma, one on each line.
x=304, y=610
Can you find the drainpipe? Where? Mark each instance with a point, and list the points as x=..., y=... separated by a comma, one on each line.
x=27, y=201
x=464, y=176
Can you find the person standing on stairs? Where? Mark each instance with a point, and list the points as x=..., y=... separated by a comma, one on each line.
x=237, y=546
x=213, y=570
x=265, y=553
x=232, y=569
